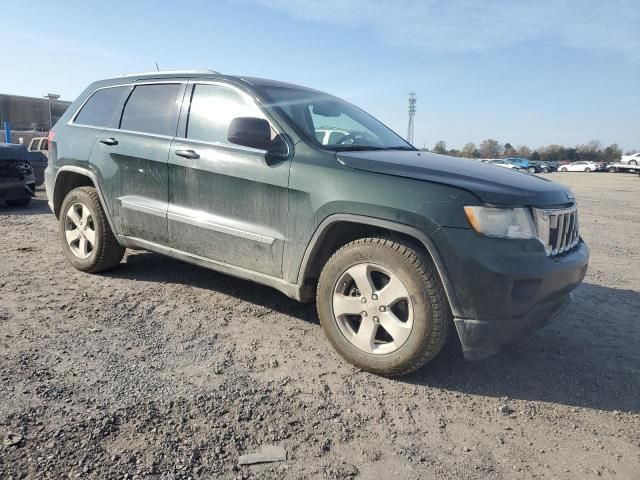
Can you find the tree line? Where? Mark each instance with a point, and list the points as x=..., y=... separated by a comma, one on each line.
x=592, y=151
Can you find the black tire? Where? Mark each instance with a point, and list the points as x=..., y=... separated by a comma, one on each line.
x=613, y=169
x=564, y=169
x=546, y=170
x=532, y=170
x=633, y=162
x=432, y=318
x=587, y=170
x=18, y=202
x=107, y=252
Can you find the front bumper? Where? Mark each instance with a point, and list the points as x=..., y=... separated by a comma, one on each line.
x=505, y=289
x=16, y=190
x=481, y=339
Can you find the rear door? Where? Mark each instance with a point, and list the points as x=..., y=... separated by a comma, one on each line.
x=226, y=202
x=133, y=159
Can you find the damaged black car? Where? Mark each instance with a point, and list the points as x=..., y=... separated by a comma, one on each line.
x=17, y=181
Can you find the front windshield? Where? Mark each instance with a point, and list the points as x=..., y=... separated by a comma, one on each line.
x=331, y=123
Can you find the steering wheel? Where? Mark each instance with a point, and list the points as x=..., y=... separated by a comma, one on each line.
x=346, y=138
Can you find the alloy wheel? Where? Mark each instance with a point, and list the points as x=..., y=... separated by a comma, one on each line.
x=373, y=308
x=80, y=230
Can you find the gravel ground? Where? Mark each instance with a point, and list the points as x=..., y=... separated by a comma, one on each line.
x=165, y=369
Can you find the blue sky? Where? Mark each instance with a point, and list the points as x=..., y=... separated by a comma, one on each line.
x=526, y=72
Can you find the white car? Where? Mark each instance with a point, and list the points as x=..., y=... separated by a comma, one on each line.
x=580, y=167
x=504, y=164
x=633, y=159
x=330, y=136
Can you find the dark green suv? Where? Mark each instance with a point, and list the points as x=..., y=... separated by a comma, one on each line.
x=302, y=191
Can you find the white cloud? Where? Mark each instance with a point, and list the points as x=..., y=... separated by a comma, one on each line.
x=475, y=25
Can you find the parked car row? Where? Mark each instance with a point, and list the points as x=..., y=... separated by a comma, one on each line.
x=538, y=166
x=531, y=166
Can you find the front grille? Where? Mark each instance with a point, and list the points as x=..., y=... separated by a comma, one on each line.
x=558, y=229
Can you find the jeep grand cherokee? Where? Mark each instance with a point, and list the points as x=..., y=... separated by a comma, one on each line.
x=396, y=246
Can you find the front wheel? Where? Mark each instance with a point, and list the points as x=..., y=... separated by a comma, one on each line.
x=546, y=170
x=564, y=169
x=382, y=306
x=87, y=239
x=633, y=162
x=587, y=170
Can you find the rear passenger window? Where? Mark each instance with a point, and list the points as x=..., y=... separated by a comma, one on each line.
x=212, y=109
x=152, y=109
x=99, y=110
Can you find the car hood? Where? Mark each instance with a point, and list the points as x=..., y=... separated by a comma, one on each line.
x=492, y=184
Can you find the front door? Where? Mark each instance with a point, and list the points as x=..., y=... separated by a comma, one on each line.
x=226, y=202
x=134, y=160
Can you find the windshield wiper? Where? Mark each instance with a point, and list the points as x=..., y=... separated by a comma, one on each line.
x=400, y=147
x=355, y=148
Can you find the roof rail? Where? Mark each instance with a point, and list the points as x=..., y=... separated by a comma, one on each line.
x=168, y=72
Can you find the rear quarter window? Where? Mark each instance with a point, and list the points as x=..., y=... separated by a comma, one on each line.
x=101, y=107
x=152, y=109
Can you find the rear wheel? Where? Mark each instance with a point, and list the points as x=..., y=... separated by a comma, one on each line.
x=613, y=169
x=532, y=170
x=382, y=306
x=563, y=169
x=633, y=162
x=18, y=202
x=87, y=239
x=546, y=170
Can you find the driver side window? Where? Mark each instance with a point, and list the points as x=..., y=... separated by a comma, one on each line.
x=212, y=109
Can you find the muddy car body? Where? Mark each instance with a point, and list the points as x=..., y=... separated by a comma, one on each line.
x=395, y=245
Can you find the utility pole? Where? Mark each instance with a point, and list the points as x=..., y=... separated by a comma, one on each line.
x=412, y=114
x=50, y=97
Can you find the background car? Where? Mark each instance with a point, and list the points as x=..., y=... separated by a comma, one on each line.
x=17, y=183
x=524, y=164
x=329, y=135
x=39, y=144
x=633, y=159
x=39, y=160
x=504, y=164
x=544, y=167
x=581, y=166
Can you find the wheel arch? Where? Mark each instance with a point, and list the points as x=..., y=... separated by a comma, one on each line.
x=70, y=177
x=340, y=229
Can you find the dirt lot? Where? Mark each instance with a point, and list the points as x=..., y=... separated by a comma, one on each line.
x=167, y=369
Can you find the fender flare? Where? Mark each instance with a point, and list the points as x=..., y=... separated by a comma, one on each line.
x=408, y=230
x=94, y=179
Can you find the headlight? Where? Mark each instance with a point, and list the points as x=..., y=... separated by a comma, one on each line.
x=501, y=222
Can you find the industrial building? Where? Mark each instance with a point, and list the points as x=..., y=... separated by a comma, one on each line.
x=29, y=116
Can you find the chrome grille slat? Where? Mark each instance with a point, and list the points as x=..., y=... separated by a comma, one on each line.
x=558, y=229
x=560, y=234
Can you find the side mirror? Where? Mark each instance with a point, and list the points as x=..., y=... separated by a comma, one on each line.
x=250, y=132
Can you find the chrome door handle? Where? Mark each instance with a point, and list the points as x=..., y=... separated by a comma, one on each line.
x=109, y=141
x=187, y=154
